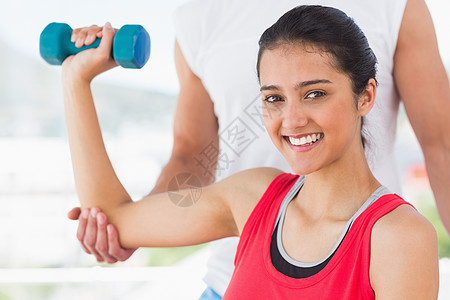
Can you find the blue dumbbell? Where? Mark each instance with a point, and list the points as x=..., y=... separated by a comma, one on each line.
x=131, y=45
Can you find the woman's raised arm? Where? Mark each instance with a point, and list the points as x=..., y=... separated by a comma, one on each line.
x=155, y=220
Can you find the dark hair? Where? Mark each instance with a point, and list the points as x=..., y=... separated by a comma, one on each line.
x=329, y=30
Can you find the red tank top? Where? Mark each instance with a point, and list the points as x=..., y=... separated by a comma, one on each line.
x=346, y=276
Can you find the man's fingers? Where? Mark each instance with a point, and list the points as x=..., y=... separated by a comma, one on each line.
x=90, y=236
x=81, y=231
x=102, y=239
x=97, y=237
x=115, y=250
x=74, y=213
x=82, y=223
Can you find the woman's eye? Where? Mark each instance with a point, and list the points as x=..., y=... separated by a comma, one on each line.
x=273, y=99
x=315, y=94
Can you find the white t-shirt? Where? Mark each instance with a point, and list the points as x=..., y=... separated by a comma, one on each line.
x=219, y=40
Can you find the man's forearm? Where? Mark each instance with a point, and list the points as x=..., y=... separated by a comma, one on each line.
x=184, y=164
x=437, y=163
x=95, y=179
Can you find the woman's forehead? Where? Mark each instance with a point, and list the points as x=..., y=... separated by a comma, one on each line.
x=297, y=60
x=299, y=50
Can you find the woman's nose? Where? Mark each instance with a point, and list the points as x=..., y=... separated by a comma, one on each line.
x=294, y=116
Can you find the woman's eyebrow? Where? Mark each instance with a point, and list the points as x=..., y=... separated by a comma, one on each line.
x=311, y=82
x=269, y=88
x=297, y=86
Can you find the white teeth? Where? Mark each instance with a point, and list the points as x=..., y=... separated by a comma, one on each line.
x=294, y=141
x=305, y=140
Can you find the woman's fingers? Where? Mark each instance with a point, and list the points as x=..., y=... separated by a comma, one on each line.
x=85, y=36
x=107, y=38
x=86, y=65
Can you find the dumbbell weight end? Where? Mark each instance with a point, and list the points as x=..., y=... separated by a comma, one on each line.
x=55, y=45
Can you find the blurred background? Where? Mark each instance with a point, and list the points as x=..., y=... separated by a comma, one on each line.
x=39, y=255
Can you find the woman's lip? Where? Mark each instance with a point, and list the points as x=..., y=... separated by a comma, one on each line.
x=299, y=136
x=303, y=148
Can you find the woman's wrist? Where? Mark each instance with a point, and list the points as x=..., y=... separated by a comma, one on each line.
x=76, y=90
x=72, y=77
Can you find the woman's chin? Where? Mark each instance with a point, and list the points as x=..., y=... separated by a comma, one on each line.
x=302, y=169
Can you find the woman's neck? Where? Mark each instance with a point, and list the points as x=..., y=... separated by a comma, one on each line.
x=338, y=190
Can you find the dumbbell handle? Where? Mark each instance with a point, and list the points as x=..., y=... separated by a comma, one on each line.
x=72, y=49
x=131, y=46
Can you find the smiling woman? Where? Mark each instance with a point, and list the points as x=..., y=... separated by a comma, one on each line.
x=317, y=72
x=298, y=59
x=312, y=108
x=333, y=207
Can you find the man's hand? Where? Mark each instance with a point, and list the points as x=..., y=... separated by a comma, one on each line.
x=97, y=237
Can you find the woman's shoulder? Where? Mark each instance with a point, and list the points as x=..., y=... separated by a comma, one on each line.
x=402, y=224
x=404, y=254
x=244, y=189
x=262, y=174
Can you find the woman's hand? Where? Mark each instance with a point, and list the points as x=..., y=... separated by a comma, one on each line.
x=87, y=64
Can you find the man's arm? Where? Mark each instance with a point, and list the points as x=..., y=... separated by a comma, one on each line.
x=195, y=128
x=424, y=88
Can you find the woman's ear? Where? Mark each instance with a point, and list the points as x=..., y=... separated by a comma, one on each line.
x=367, y=98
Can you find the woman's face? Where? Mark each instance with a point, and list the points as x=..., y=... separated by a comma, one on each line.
x=309, y=107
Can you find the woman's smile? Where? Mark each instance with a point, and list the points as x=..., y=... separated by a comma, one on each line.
x=304, y=142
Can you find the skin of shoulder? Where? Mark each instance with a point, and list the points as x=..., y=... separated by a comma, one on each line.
x=404, y=261
x=247, y=189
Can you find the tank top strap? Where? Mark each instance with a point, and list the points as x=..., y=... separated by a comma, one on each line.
x=275, y=193
x=382, y=206
x=362, y=227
